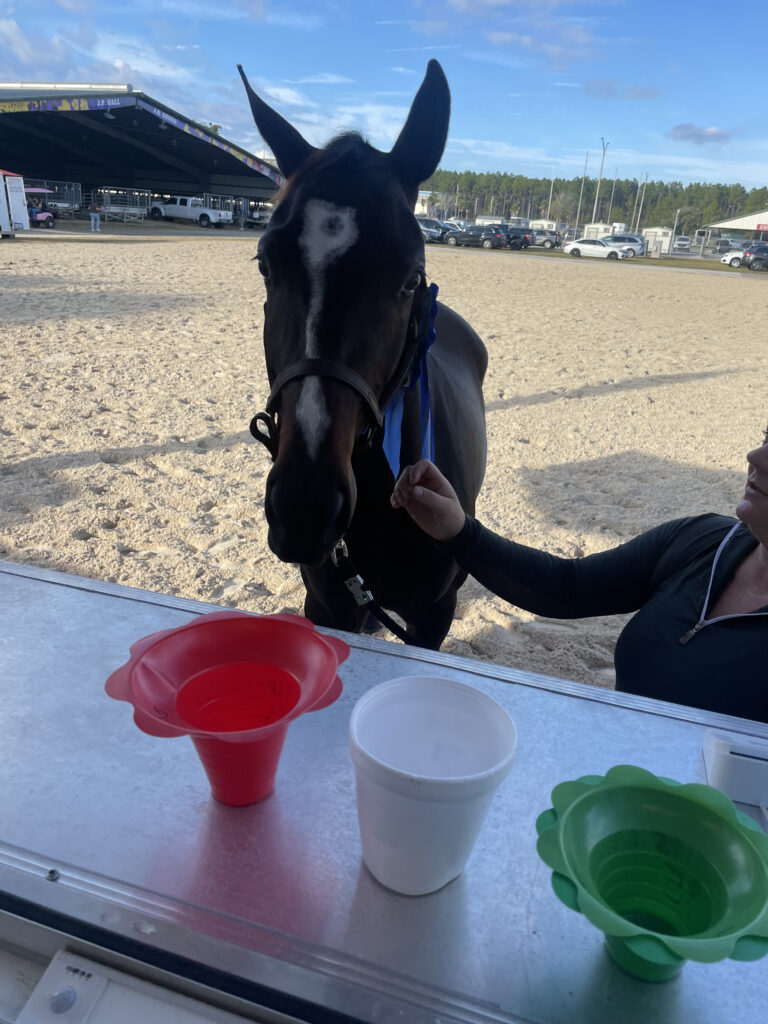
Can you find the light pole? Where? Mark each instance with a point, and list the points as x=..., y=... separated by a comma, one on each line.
x=551, y=187
x=642, y=200
x=674, y=229
x=581, y=193
x=599, y=179
x=613, y=190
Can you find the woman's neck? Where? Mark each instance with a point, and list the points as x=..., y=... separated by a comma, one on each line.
x=748, y=590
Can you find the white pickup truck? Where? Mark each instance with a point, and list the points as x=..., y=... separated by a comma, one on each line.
x=187, y=208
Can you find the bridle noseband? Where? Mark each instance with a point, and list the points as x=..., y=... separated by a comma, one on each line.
x=268, y=435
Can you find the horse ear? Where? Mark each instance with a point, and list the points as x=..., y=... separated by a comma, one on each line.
x=290, y=147
x=420, y=144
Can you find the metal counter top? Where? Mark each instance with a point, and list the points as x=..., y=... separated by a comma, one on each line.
x=275, y=896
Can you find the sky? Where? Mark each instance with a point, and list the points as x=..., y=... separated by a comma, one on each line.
x=536, y=84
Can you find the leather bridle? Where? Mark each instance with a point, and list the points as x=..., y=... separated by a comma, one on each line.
x=334, y=370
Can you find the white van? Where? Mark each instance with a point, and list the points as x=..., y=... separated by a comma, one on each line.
x=682, y=244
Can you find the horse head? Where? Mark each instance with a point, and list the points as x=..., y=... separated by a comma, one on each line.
x=343, y=263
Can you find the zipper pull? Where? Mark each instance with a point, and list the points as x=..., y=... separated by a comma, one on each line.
x=691, y=633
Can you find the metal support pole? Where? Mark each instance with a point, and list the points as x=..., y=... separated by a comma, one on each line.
x=599, y=179
x=551, y=187
x=581, y=193
x=642, y=200
x=674, y=229
x=613, y=190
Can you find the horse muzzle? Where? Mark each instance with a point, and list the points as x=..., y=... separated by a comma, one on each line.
x=306, y=518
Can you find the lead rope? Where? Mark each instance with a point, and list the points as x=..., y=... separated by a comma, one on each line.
x=363, y=598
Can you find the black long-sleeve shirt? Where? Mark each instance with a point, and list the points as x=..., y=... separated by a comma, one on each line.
x=663, y=575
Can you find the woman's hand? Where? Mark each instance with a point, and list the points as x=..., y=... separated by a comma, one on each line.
x=429, y=499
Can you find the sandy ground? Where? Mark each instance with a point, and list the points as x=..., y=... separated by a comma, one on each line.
x=618, y=396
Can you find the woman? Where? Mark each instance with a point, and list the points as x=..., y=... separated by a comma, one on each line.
x=699, y=587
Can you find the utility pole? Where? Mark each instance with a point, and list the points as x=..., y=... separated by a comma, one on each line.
x=613, y=190
x=674, y=230
x=551, y=187
x=581, y=193
x=634, y=208
x=642, y=200
x=599, y=179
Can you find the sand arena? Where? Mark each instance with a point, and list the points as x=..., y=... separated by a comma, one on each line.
x=617, y=396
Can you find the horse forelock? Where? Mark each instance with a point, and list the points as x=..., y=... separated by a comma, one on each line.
x=348, y=170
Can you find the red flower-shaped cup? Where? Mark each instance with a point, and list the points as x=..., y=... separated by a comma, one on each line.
x=233, y=682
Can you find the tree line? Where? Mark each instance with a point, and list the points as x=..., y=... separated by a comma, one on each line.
x=636, y=203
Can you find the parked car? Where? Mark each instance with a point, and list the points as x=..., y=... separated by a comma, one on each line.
x=633, y=245
x=430, y=234
x=722, y=245
x=190, y=209
x=594, y=247
x=546, y=239
x=487, y=236
x=682, y=244
x=734, y=258
x=514, y=237
x=756, y=257
x=435, y=225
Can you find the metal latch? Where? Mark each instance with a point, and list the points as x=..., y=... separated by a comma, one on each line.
x=356, y=586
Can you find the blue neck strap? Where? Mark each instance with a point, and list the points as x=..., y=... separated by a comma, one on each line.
x=393, y=413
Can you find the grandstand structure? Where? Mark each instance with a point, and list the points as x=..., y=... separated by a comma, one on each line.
x=105, y=135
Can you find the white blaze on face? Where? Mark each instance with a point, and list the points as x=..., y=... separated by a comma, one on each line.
x=328, y=232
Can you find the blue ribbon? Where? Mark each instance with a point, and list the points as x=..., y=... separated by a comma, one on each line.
x=393, y=414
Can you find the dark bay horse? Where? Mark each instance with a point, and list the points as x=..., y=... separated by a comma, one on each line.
x=355, y=394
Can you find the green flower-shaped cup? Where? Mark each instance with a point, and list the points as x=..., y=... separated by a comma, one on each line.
x=668, y=872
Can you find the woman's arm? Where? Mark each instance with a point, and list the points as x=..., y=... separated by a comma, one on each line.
x=620, y=580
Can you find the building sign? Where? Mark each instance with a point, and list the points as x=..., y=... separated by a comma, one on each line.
x=65, y=103
x=762, y=227
x=227, y=147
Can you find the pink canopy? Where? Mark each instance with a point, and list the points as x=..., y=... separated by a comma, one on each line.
x=49, y=190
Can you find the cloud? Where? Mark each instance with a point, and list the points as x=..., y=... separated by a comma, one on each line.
x=640, y=92
x=425, y=28
x=124, y=53
x=569, y=42
x=20, y=46
x=303, y=22
x=290, y=97
x=322, y=78
x=566, y=85
x=698, y=136
x=202, y=11
x=484, y=6
x=505, y=60
x=614, y=88
x=404, y=71
x=420, y=49
x=181, y=46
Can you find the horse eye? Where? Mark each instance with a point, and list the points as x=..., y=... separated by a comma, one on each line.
x=263, y=267
x=412, y=284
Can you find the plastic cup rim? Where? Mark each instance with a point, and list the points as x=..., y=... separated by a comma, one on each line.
x=362, y=756
x=200, y=622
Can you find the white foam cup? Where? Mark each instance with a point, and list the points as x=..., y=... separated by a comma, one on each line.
x=429, y=754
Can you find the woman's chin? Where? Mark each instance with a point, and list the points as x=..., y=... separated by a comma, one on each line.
x=744, y=510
